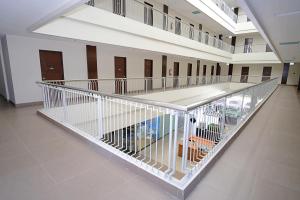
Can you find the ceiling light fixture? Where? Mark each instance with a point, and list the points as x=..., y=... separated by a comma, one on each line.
x=196, y=12
x=287, y=13
x=292, y=63
x=230, y=36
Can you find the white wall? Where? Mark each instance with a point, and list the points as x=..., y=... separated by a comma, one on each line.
x=24, y=62
x=258, y=45
x=257, y=69
x=7, y=69
x=2, y=74
x=294, y=73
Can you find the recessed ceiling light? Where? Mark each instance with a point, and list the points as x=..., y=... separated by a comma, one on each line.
x=196, y=12
x=289, y=43
x=287, y=13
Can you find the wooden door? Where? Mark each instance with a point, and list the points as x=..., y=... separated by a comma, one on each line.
x=204, y=70
x=266, y=74
x=91, y=57
x=120, y=75
x=218, y=72
x=176, y=74
x=230, y=69
x=164, y=71
x=198, y=68
x=51, y=65
x=285, y=73
x=244, y=74
x=164, y=66
x=148, y=69
x=189, y=73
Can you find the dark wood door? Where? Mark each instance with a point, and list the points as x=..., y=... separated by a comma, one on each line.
x=230, y=69
x=218, y=72
x=148, y=69
x=120, y=75
x=298, y=88
x=266, y=74
x=51, y=65
x=91, y=57
x=189, y=73
x=285, y=73
x=244, y=74
x=164, y=66
x=198, y=72
x=176, y=74
x=198, y=68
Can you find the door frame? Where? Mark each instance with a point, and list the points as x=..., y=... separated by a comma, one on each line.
x=62, y=62
x=244, y=78
x=118, y=85
x=148, y=82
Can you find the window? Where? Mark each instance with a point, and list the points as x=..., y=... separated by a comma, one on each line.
x=165, y=17
x=206, y=37
x=119, y=7
x=148, y=14
x=214, y=41
x=177, y=26
x=248, y=45
x=266, y=74
x=200, y=33
x=191, y=32
x=268, y=48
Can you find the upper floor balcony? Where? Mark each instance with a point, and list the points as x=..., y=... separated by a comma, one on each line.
x=254, y=53
x=226, y=9
x=146, y=13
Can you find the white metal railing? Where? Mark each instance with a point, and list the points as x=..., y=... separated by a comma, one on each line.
x=252, y=48
x=136, y=86
x=170, y=141
x=144, y=13
x=226, y=9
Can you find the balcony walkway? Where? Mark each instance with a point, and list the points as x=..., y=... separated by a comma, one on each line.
x=40, y=161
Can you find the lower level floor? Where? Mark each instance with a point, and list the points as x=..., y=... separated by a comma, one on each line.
x=39, y=160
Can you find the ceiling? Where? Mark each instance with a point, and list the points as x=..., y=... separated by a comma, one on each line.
x=18, y=16
x=279, y=23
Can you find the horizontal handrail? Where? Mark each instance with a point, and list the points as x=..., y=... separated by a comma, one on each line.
x=159, y=103
x=209, y=100
x=123, y=97
x=135, y=78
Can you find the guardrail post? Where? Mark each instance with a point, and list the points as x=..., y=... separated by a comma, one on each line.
x=223, y=116
x=64, y=102
x=185, y=142
x=100, y=117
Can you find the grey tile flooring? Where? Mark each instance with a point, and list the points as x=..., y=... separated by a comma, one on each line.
x=40, y=161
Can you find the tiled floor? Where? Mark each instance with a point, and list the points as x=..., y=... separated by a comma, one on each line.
x=40, y=161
